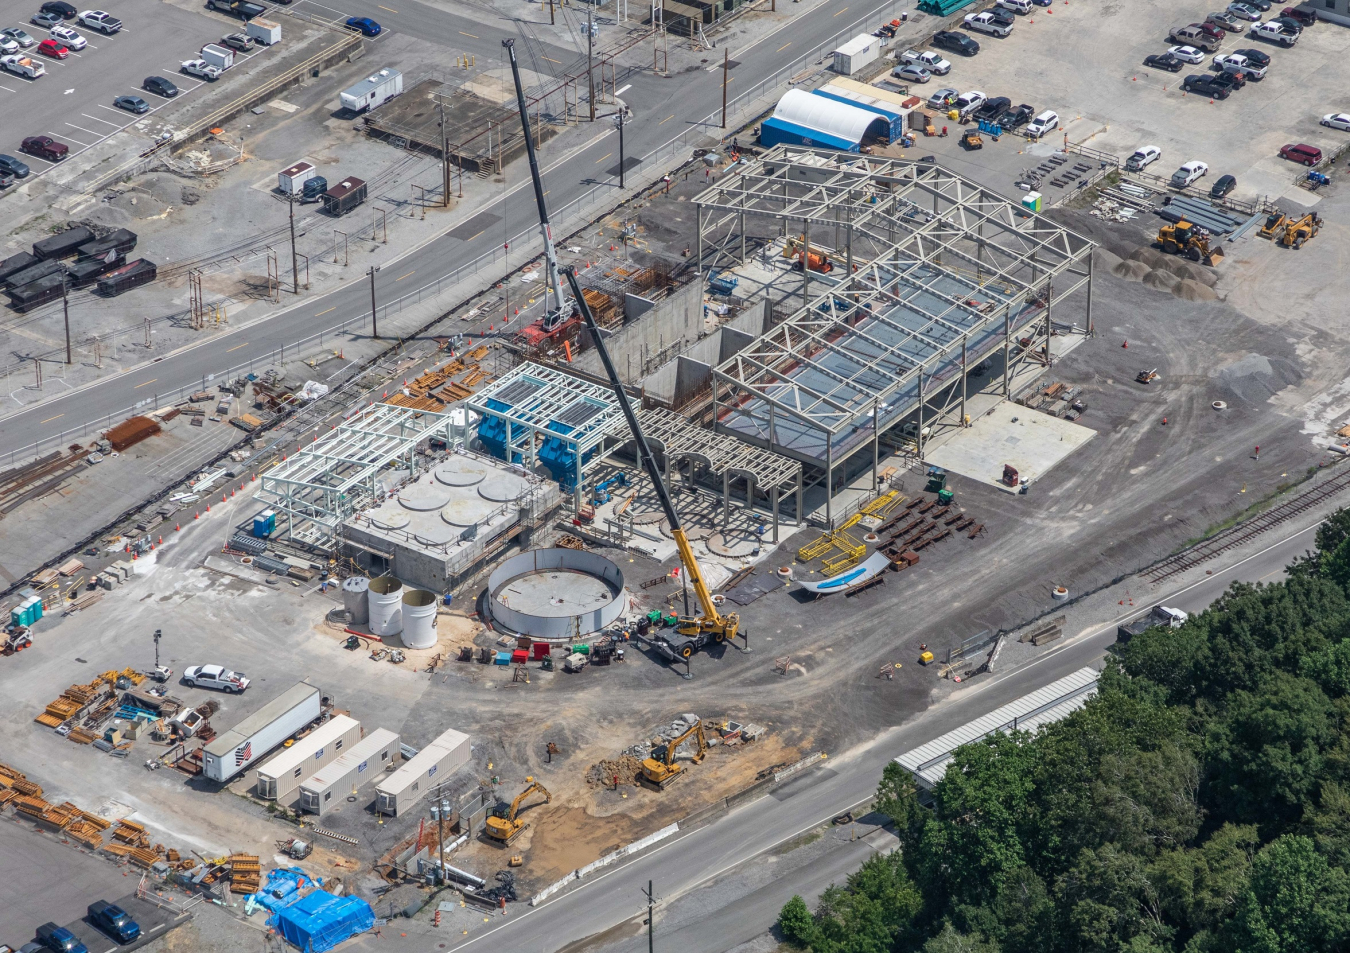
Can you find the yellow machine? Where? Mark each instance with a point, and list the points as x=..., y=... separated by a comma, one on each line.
x=710, y=625
x=971, y=140
x=1298, y=231
x=661, y=769
x=1183, y=238
x=505, y=828
x=1275, y=223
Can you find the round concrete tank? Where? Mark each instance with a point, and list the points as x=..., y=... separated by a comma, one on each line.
x=419, y=619
x=554, y=594
x=354, y=599
x=386, y=605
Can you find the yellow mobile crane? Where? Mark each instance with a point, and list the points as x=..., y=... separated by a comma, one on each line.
x=505, y=827
x=660, y=769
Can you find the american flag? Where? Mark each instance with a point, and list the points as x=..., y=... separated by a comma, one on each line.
x=243, y=753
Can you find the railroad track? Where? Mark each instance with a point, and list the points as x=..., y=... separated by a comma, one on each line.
x=1246, y=531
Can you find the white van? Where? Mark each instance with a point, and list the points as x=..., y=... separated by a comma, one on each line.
x=1016, y=6
x=1047, y=121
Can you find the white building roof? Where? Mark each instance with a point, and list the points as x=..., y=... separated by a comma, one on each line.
x=825, y=115
x=1054, y=702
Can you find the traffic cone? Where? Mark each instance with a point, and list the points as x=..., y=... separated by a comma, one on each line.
x=208, y=507
x=177, y=527
x=222, y=497
x=1126, y=344
x=197, y=516
x=161, y=541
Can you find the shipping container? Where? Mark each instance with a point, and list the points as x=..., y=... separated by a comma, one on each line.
x=264, y=31
x=372, y=91
x=29, y=296
x=344, y=196
x=87, y=272
x=126, y=277
x=331, y=786
x=291, y=180
x=857, y=53
x=15, y=264
x=253, y=738
x=64, y=244
x=279, y=777
x=119, y=240
x=433, y=765
x=33, y=272
x=218, y=56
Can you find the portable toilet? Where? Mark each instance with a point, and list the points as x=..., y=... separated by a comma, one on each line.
x=265, y=524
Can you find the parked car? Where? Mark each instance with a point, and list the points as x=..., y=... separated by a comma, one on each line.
x=114, y=921
x=943, y=98
x=1237, y=63
x=52, y=48
x=1205, y=86
x=1229, y=80
x=19, y=36
x=992, y=108
x=987, y=23
x=1241, y=10
x=45, y=147
x=1016, y=116
x=1142, y=157
x=160, y=86
x=1226, y=22
x=13, y=166
x=956, y=41
x=1262, y=5
x=132, y=104
x=1211, y=30
x=215, y=676
x=60, y=8
x=1337, y=121
x=8, y=45
x=1222, y=186
x=1255, y=57
x=59, y=939
x=238, y=41
x=68, y=37
x=1001, y=16
x=1288, y=25
x=1165, y=61
x=364, y=25
x=1016, y=6
x=1189, y=173
x=1272, y=33
x=1308, y=17
x=45, y=20
x=200, y=68
x=1187, y=54
x=911, y=73
x=929, y=60
x=1046, y=122
x=1301, y=152
x=971, y=101
x=103, y=22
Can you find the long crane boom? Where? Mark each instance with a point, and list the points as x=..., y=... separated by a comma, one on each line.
x=563, y=309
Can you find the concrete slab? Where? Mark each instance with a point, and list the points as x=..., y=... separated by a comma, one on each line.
x=1029, y=440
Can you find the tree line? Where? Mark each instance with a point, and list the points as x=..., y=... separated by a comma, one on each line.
x=1200, y=803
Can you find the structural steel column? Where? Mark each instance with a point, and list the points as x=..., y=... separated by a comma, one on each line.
x=726, y=498
x=848, y=244
x=829, y=480
x=1007, y=355
x=1092, y=331
x=1049, y=328
x=773, y=502
x=922, y=400
x=742, y=230
x=576, y=489
x=698, y=226
x=876, y=444
x=806, y=261
x=801, y=496
x=964, y=372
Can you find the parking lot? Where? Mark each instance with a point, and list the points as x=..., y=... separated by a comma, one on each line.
x=73, y=102
x=1085, y=61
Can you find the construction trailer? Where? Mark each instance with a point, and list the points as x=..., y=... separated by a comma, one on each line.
x=330, y=786
x=431, y=766
x=256, y=736
x=279, y=777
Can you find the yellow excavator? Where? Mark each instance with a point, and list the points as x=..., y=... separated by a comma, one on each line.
x=1183, y=238
x=1299, y=230
x=660, y=769
x=710, y=624
x=505, y=827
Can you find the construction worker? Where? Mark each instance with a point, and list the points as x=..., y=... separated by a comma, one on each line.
x=1258, y=452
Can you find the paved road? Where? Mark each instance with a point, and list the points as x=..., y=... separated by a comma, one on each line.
x=690, y=860
x=662, y=109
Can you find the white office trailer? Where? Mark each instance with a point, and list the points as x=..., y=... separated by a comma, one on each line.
x=254, y=738
x=332, y=785
x=433, y=765
x=278, y=778
x=857, y=53
x=372, y=91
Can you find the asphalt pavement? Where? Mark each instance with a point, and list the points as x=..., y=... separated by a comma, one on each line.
x=690, y=860
x=663, y=108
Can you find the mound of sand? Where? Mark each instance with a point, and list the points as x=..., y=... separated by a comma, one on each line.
x=1204, y=275
x=1131, y=270
x=1105, y=258
x=1161, y=279
x=1149, y=256
x=1188, y=289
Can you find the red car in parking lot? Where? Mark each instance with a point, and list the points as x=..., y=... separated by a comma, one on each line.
x=1301, y=152
x=52, y=48
x=45, y=147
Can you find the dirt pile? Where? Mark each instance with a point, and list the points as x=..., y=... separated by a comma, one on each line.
x=1161, y=279
x=1187, y=289
x=1131, y=270
x=626, y=767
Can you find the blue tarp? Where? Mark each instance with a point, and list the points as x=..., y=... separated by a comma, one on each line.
x=281, y=887
x=321, y=921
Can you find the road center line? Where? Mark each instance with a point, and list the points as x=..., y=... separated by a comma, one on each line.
x=50, y=419
x=322, y=313
x=237, y=347
x=462, y=33
x=603, y=158
x=401, y=277
x=151, y=381
x=783, y=47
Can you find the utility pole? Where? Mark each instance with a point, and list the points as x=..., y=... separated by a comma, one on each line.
x=590, y=45
x=445, y=163
x=651, y=902
x=65, y=308
x=726, y=62
x=295, y=262
x=618, y=121
x=374, y=327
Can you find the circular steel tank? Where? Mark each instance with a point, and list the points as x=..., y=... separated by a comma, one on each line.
x=419, y=618
x=354, y=599
x=385, y=598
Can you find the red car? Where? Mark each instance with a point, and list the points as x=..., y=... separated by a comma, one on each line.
x=1301, y=152
x=45, y=147
x=52, y=48
x=1210, y=30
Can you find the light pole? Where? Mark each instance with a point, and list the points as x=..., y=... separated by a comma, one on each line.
x=374, y=326
x=590, y=45
x=618, y=121
x=65, y=310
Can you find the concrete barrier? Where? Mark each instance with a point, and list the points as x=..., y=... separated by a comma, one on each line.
x=605, y=861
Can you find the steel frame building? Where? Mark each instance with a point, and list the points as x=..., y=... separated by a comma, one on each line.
x=939, y=274
x=323, y=484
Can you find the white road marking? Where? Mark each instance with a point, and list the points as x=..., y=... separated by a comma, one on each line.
x=69, y=137
x=82, y=129
x=96, y=119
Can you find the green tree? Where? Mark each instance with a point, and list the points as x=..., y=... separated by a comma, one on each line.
x=1148, y=800
x=1199, y=887
x=1329, y=824
x=951, y=940
x=796, y=923
x=874, y=908
x=1296, y=902
x=898, y=799
x=1329, y=668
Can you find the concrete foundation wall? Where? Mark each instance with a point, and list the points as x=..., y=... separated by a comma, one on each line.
x=667, y=325
x=690, y=372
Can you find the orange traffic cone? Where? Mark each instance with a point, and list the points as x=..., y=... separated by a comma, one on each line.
x=161, y=541
x=197, y=516
x=177, y=527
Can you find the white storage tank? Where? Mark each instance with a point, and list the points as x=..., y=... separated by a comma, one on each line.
x=278, y=778
x=432, y=765
x=330, y=786
x=419, y=619
x=355, y=600
x=385, y=598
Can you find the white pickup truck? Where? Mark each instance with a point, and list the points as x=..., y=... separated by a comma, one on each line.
x=23, y=66
x=98, y=20
x=927, y=59
x=986, y=23
x=201, y=68
x=1273, y=33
